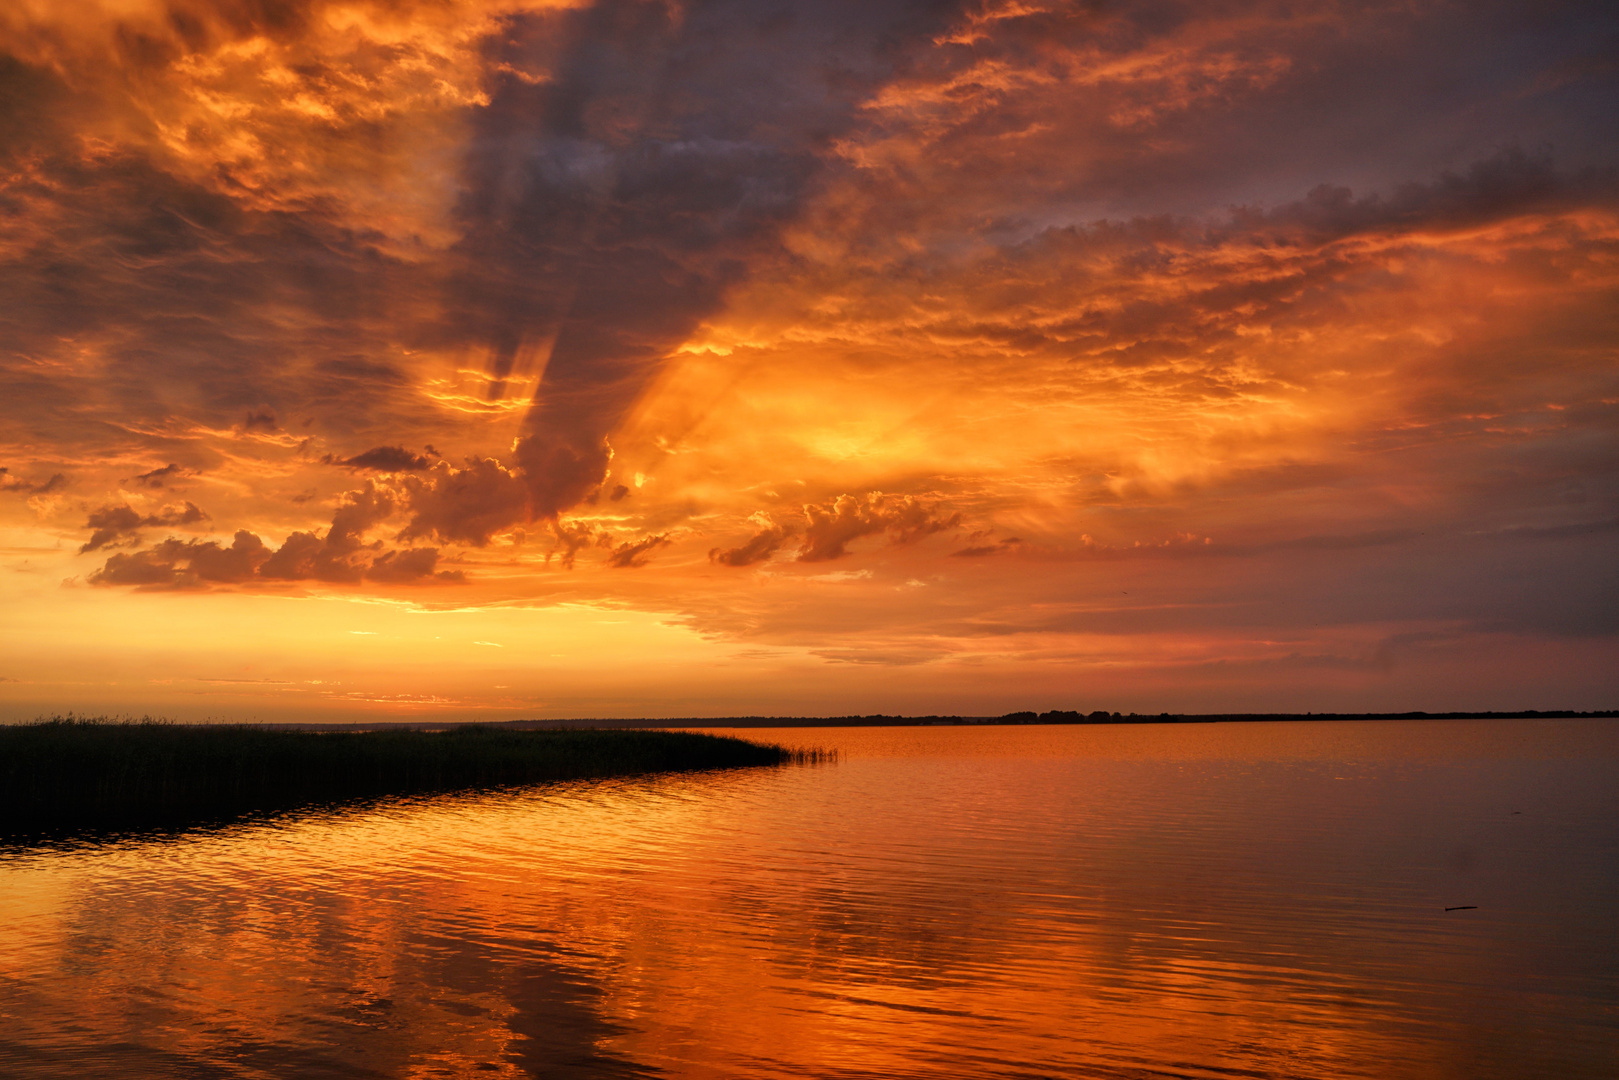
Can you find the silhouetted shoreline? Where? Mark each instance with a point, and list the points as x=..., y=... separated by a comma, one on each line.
x=72, y=774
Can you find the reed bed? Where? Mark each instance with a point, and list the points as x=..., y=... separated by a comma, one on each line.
x=71, y=774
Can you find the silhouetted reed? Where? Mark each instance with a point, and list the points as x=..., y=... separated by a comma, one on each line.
x=70, y=774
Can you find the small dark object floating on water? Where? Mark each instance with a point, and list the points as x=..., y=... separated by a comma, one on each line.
x=1463, y=907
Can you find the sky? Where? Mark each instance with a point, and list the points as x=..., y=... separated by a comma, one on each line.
x=493, y=359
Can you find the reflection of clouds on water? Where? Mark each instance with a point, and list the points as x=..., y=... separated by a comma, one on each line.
x=558, y=1019
x=1082, y=902
x=186, y=962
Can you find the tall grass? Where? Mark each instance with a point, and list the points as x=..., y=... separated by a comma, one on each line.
x=69, y=773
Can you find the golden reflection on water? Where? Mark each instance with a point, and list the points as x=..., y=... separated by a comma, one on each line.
x=1198, y=901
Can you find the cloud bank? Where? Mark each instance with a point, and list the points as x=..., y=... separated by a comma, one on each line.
x=1146, y=336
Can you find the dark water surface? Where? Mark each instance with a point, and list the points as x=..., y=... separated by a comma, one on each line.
x=1224, y=900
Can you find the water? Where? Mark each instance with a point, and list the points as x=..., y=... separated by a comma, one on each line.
x=1234, y=900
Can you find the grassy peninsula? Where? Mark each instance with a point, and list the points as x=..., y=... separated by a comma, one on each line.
x=76, y=774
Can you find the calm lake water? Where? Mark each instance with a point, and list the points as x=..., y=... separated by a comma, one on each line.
x=1223, y=900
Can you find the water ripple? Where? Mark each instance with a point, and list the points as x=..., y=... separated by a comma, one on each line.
x=1210, y=901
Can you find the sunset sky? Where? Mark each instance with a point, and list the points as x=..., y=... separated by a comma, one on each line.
x=503, y=358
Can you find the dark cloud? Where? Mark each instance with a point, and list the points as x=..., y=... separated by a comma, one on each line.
x=159, y=478
x=142, y=569
x=455, y=501
x=305, y=555
x=467, y=505
x=178, y=283
x=183, y=564
x=237, y=563
x=185, y=514
x=833, y=526
x=410, y=566
x=389, y=459
x=198, y=294
x=608, y=207
x=973, y=551
x=636, y=554
x=8, y=482
x=342, y=556
x=335, y=557
x=1210, y=310
x=760, y=547
x=1507, y=184
x=1185, y=109
x=360, y=511
x=112, y=524
x=570, y=537
x=178, y=564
